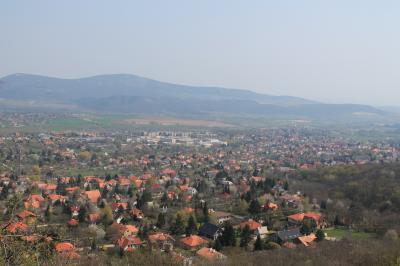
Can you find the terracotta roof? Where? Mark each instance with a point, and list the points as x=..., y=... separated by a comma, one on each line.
x=272, y=206
x=36, y=197
x=297, y=217
x=160, y=237
x=300, y=216
x=307, y=240
x=194, y=241
x=253, y=225
x=64, y=247
x=93, y=195
x=18, y=226
x=24, y=214
x=131, y=229
x=123, y=242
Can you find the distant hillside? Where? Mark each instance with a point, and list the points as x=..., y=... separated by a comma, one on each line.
x=34, y=87
x=132, y=94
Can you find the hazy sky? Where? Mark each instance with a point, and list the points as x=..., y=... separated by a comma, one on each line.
x=333, y=51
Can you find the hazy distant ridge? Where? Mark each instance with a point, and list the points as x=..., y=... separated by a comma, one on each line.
x=121, y=93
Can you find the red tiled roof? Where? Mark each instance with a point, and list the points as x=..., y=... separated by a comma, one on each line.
x=160, y=237
x=64, y=247
x=307, y=240
x=193, y=241
x=93, y=195
x=24, y=214
x=253, y=225
x=15, y=227
x=124, y=242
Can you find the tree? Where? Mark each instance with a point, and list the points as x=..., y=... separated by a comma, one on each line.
x=206, y=217
x=271, y=245
x=160, y=220
x=254, y=207
x=179, y=227
x=245, y=237
x=258, y=245
x=164, y=198
x=107, y=215
x=228, y=236
x=82, y=214
x=241, y=208
x=47, y=213
x=93, y=244
x=323, y=204
x=320, y=235
x=192, y=226
x=217, y=244
x=286, y=186
x=308, y=226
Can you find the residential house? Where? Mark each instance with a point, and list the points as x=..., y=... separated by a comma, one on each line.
x=253, y=225
x=222, y=217
x=285, y=236
x=210, y=231
x=193, y=242
x=93, y=195
x=129, y=243
x=162, y=240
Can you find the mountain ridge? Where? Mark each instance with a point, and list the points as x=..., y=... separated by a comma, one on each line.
x=132, y=94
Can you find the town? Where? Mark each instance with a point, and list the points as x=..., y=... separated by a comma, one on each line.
x=192, y=195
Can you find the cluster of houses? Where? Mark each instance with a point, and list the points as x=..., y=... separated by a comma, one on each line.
x=90, y=192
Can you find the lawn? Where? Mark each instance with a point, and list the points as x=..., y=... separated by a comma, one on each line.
x=340, y=233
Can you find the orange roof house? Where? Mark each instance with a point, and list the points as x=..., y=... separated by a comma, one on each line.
x=193, y=241
x=299, y=217
x=162, y=240
x=67, y=250
x=210, y=254
x=25, y=214
x=118, y=205
x=160, y=237
x=307, y=240
x=253, y=225
x=93, y=195
x=64, y=247
x=272, y=206
x=130, y=230
x=16, y=227
x=129, y=243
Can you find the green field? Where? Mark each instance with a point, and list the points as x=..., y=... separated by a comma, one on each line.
x=341, y=233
